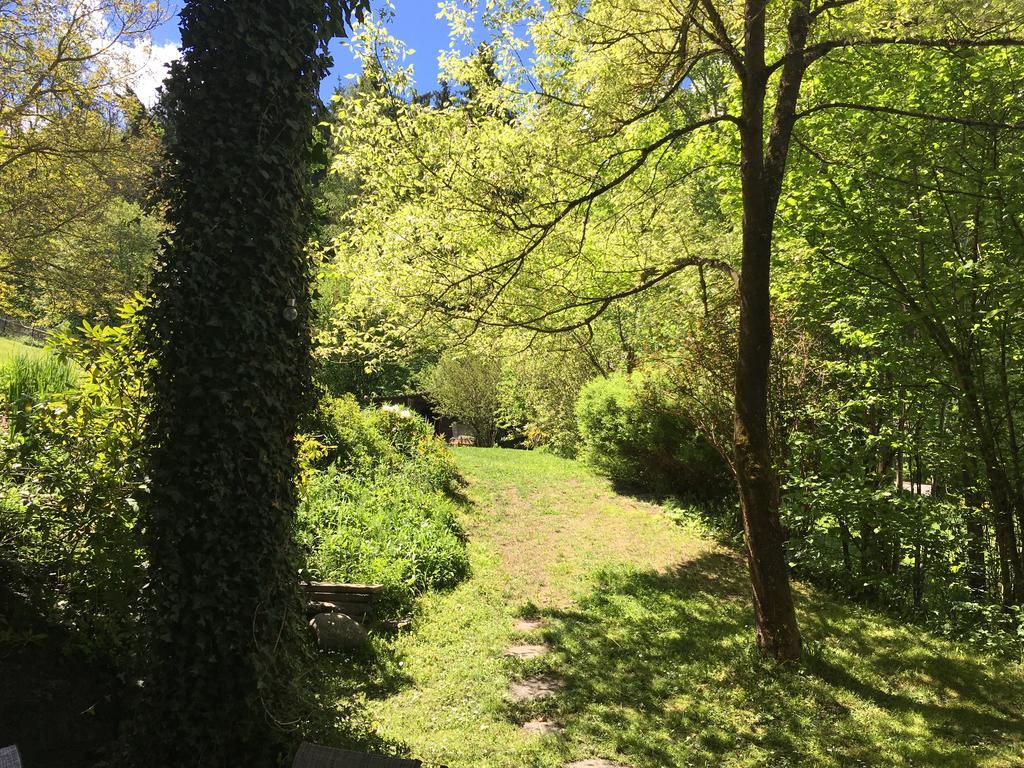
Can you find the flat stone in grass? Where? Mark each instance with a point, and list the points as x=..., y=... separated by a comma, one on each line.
x=529, y=625
x=595, y=763
x=534, y=688
x=543, y=725
x=526, y=651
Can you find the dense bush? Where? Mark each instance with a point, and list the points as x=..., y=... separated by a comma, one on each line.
x=538, y=394
x=466, y=387
x=72, y=473
x=631, y=434
x=343, y=435
x=375, y=503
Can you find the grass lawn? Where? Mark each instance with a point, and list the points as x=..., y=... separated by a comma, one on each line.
x=12, y=348
x=649, y=627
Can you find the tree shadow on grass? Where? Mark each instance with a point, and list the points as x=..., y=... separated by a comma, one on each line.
x=659, y=669
x=339, y=686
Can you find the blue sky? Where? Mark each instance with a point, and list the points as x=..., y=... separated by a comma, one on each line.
x=415, y=24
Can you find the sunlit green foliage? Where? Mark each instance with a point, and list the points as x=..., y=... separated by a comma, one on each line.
x=73, y=470
x=634, y=435
x=566, y=194
x=380, y=528
x=76, y=158
x=465, y=387
x=376, y=502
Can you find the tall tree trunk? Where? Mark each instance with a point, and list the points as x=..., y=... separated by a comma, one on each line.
x=1017, y=483
x=1000, y=495
x=775, y=617
x=976, y=575
x=975, y=545
x=230, y=338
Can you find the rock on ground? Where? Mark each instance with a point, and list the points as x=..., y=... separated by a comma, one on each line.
x=337, y=632
x=543, y=725
x=526, y=651
x=535, y=688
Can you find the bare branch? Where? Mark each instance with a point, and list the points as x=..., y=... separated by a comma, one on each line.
x=601, y=304
x=721, y=36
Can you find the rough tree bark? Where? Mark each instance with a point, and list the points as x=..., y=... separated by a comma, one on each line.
x=762, y=169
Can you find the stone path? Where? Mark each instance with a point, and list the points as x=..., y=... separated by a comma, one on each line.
x=541, y=686
x=529, y=625
x=533, y=688
x=526, y=651
x=543, y=725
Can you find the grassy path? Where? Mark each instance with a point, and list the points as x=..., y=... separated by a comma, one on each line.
x=648, y=627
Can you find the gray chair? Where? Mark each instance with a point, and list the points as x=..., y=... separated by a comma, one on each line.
x=9, y=757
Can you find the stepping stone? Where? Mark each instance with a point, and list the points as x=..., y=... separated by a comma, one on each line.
x=534, y=688
x=543, y=725
x=595, y=763
x=526, y=651
x=529, y=625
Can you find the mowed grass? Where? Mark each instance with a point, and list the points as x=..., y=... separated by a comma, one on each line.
x=13, y=348
x=649, y=625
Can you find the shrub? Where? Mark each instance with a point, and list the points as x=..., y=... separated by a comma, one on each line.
x=538, y=400
x=633, y=436
x=381, y=528
x=423, y=457
x=466, y=388
x=374, y=501
x=73, y=461
x=348, y=435
x=341, y=434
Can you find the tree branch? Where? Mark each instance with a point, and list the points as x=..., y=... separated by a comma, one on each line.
x=881, y=109
x=814, y=52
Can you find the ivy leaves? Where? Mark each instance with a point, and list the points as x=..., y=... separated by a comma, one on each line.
x=229, y=333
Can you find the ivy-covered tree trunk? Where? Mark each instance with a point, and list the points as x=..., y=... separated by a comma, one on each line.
x=230, y=335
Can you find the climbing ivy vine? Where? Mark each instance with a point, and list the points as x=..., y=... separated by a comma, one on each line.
x=228, y=330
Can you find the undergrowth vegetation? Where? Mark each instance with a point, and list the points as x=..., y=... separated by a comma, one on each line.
x=632, y=434
x=378, y=492
x=376, y=505
x=72, y=461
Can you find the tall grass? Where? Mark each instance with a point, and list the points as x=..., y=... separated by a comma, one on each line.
x=12, y=347
x=25, y=380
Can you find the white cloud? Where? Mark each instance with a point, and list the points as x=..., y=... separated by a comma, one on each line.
x=148, y=65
